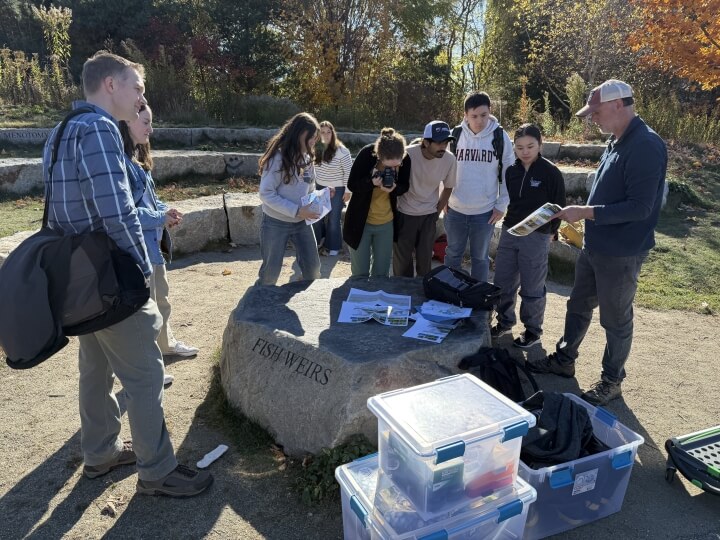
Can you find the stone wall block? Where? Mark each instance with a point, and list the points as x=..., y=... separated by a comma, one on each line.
x=244, y=214
x=204, y=221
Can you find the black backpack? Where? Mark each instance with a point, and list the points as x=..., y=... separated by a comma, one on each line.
x=498, y=144
x=453, y=286
x=77, y=284
x=499, y=369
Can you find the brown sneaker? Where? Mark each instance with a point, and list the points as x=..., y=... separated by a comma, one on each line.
x=125, y=457
x=181, y=482
x=602, y=392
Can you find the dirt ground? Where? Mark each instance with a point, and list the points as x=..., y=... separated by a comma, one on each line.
x=672, y=389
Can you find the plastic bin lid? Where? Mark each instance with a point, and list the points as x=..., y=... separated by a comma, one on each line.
x=397, y=517
x=455, y=409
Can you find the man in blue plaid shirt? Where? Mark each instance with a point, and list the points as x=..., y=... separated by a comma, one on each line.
x=89, y=190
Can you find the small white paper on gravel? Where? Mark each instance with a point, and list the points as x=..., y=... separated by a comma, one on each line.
x=211, y=456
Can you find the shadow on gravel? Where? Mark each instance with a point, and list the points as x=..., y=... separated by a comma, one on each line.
x=250, y=483
x=24, y=505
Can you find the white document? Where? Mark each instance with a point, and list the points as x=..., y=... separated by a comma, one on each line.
x=385, y=308
x=320, y=203
x=429, y=330
x=435, y=311
x=534, y=221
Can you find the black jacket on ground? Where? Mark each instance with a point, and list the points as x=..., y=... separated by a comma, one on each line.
x=361, y=186
x=529, y=190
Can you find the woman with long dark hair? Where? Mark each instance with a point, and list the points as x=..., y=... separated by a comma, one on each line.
x=332, y=169
x=287, y=174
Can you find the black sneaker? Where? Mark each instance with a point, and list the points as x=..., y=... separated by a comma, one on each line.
x=499, y=330
x=125, y=457
x=181, y=482
x=602, y=392
x=526, y=340
x=551, y=364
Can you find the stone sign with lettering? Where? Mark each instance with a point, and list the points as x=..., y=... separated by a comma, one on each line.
x=290, y=366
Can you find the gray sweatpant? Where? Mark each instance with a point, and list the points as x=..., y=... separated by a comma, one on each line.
x=129, y=350
x=521, y=262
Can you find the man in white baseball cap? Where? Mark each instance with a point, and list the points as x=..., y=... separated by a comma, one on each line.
x=620, y=218
x=610, y=90
x=432, y=177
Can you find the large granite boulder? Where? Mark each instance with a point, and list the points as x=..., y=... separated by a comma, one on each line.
x=290, y=366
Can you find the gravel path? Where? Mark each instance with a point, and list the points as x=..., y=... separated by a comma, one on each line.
x=672, y=388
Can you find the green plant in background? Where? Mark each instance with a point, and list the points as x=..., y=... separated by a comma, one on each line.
x=526, y=106
x=547, y=122
x=575, y=89
x=316, y=481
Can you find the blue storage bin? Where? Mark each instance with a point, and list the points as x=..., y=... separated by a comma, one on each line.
x=371, y=512
x=581, y=491
x=448, y=442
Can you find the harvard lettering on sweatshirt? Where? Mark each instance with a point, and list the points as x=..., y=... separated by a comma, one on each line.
x=477, y=189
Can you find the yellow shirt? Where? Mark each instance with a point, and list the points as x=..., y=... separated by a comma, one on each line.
x=380, y=211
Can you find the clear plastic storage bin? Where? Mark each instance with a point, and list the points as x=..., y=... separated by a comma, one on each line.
x=578, y=492
x=448, y=442
x=373, y=513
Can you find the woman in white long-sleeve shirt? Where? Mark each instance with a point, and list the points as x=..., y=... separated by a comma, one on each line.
x=332, y=169
x=287, y=174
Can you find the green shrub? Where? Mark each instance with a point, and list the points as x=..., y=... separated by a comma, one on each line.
x=316, y=482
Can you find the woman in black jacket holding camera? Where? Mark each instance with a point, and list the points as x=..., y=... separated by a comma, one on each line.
x=379, y=175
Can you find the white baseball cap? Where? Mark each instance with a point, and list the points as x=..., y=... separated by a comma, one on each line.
x=608, y=91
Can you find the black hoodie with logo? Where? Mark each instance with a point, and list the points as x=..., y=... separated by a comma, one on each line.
x=530, y=189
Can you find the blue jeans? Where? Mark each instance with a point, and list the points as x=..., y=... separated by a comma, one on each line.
x=374, y=253
x=274, y=235
x=461, y=227
x=610, y=283
x=329, y=226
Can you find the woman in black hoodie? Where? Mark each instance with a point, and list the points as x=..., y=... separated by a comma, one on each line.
x=521, y=262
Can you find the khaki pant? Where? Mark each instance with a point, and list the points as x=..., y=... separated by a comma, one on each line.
x=160, y=292
x=129, y=350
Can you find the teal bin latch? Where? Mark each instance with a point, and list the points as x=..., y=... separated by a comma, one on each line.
x=509, y=510
x=357, y=507
x=623, y=460
x=449, y=451
x=513, y=431
x=561, y=478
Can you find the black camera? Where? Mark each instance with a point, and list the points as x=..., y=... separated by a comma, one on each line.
x=388, y=177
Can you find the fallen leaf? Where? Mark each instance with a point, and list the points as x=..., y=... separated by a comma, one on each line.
x=109, y=509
